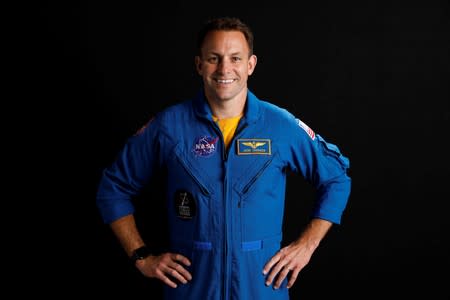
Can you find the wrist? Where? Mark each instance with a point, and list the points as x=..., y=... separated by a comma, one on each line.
x=140, y=254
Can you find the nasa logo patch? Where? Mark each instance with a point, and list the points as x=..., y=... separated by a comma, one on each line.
x=205, y=146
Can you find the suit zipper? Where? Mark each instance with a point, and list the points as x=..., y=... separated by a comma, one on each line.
x=225, y=250
x=248, y=185
x=226, y=263
x=204, y=190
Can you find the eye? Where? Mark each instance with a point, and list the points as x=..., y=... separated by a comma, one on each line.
x=236, y=58
x=212, y=60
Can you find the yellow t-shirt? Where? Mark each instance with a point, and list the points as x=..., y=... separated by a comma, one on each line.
x=228, y=127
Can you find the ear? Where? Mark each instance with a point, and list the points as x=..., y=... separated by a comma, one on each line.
x=198, y=65
x=252, y=64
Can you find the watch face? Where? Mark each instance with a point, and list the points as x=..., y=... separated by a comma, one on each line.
x=140, y=253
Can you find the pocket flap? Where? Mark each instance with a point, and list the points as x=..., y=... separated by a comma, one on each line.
x=193, y=170
x=253, y=173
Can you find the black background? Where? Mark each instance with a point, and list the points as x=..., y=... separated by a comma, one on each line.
x=371, y=77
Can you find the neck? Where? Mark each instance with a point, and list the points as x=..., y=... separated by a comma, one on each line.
x=224, y=109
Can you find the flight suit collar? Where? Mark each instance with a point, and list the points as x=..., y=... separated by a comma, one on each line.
x=251, y=112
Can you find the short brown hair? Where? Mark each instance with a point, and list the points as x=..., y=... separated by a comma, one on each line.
x=225, y=24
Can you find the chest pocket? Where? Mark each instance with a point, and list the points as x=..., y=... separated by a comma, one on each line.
x=254, y=173
x=193, y=170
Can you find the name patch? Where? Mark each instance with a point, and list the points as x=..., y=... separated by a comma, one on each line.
x=254, y=146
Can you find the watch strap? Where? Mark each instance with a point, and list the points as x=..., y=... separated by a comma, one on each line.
x=140, y=253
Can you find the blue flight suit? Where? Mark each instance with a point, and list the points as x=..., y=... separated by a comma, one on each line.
x=225, y=208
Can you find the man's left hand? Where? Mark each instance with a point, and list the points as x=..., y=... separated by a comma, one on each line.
x=290, y=259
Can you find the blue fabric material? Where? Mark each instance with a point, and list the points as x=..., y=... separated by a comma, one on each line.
x=239, y=199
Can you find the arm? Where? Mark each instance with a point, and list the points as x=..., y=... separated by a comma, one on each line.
x=294, y=257
x=124, y=179
x=325, y=167
x=165, y=267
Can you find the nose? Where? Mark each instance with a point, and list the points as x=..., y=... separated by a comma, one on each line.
x=224, y=66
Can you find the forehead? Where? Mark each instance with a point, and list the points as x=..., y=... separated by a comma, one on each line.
x=225, y=42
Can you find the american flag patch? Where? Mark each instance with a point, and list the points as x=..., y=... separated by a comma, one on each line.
x=306, y=128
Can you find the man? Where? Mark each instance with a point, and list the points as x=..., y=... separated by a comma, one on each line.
x=226, y=155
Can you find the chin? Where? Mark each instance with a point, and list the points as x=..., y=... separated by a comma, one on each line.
x=224, y=97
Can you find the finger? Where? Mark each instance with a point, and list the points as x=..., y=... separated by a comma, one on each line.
x=276, y=258
x=184, y=260
x=273, y=273
x=175, y=274
x=293, y=277
x=161, y=276
x=281, y=276
x=182, y=271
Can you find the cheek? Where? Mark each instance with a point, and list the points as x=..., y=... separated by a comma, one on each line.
x=207, y=70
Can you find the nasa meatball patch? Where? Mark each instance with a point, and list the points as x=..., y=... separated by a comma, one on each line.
x=205, y=146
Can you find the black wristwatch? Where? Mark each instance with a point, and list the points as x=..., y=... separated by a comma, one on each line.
x=140, y=253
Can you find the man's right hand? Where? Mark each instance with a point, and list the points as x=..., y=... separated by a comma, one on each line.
x=165, y=267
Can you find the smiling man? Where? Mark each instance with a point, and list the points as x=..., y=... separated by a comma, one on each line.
x=226, y=171
x=225, y=63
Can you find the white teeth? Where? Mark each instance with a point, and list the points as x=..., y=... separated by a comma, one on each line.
x=225, y=81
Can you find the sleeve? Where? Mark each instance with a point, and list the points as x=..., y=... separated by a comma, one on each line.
x=129, y=173
x=324, y=166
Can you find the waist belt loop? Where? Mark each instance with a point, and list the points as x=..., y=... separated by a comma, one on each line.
x=259, y=244
x=202, y=245
x=251, y=246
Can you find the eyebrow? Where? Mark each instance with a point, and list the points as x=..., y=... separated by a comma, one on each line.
x=217, y=54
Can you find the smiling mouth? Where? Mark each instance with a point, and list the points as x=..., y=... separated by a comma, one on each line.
x=225, y=81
